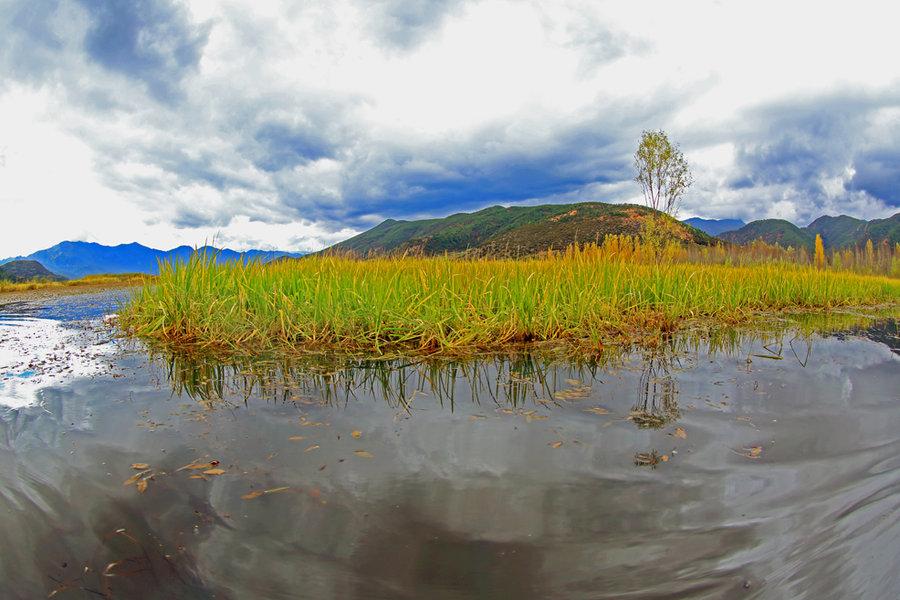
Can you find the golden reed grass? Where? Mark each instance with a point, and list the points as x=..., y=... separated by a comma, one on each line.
x=585, y=296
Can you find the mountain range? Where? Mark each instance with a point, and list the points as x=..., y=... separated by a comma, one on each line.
x=26, y=270
x=494, y=231
x=510, y=231
x=836, y=232
x=715, y=226
x=78, y=259
x=523, y=230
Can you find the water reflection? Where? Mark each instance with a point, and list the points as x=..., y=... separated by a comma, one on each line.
x=657, y=405
x=508, y=476
x=510, y=380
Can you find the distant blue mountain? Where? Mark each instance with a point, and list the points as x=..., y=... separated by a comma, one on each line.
x=77, y=259
x=715, y=226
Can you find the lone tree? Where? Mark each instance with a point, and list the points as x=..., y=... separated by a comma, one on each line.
x=662, y=171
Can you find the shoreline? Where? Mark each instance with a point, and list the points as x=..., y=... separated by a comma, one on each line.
x=42, y=293
x=704, y=329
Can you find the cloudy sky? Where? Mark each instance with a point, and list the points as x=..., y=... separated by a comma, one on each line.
x=296, y=124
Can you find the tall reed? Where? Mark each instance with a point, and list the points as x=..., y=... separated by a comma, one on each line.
x=586, y=295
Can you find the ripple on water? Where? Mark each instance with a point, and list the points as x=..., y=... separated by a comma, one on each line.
x=511, y=476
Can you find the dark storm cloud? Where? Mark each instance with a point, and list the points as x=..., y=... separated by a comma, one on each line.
x=393, y=179
x=878, y=173
x=283, y=146
x=277, y=133
x=403, y=24
x=152, y=41
x=800, y=145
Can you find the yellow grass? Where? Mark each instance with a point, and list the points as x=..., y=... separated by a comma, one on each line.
x=584, y=297
x=125, y=279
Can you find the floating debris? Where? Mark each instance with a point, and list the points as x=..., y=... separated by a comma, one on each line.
x=650, y=459
x=258, y=493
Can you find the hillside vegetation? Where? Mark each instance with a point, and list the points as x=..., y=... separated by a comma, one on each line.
x=510, y=231
x=18, y=271
x=837, y=232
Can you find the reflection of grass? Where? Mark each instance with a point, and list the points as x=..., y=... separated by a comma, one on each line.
x=427, y=305
x=123, y=279
x=501, y=380
x=543, y=377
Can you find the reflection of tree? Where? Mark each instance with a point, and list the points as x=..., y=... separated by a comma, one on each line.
x=656, y=404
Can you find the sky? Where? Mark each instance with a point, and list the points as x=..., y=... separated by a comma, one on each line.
x=294, y=125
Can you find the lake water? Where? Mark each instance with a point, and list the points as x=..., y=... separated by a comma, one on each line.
x=761, y=465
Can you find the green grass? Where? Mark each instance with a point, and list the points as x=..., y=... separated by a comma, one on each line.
x=425, y=305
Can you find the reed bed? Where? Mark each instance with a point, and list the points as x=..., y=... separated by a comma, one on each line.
x=125, y=279
x=586, y=296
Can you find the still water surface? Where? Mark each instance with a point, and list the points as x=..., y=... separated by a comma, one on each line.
x=767, y=467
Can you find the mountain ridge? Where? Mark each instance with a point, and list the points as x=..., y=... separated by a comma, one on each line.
x=510, y=230
x=714, y=226
x=837, y=232
x=18, y=271
x=73, y=259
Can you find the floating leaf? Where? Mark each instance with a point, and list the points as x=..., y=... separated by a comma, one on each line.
x=664, y=458
x=363, y=454
x=135, y=477
x=142, y=486
x=530, y=418
x=140, y=466
x=198, y=466
x=356, y=434
x=214, y=472
x=752, y=452
x=108, y=570
x=258, y=493
x=555, y=444
x=597, y=410
x=680, y=433
x=311, y=448
x=198, y=477
x=296, y=438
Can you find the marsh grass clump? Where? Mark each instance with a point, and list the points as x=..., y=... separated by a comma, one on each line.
x=89, y=281
x=586, y=297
